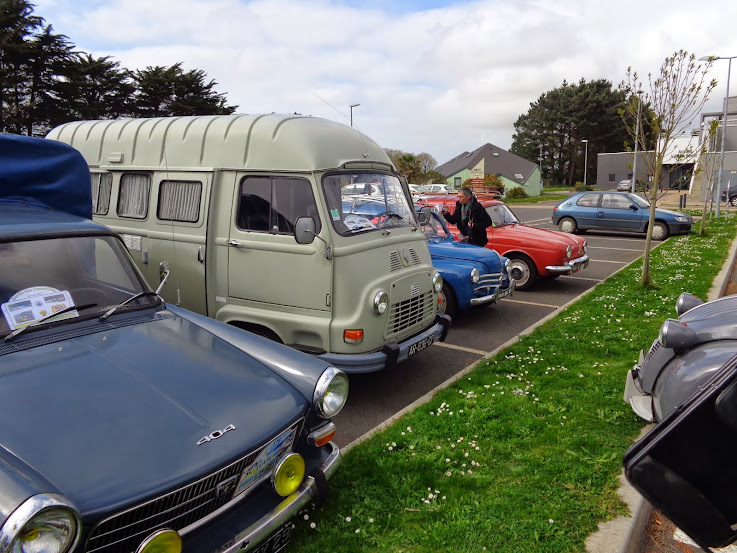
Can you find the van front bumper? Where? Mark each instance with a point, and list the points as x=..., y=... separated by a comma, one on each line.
x=392, y=353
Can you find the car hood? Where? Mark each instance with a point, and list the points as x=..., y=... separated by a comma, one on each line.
x=115, y=416
x=542, y=238
x=465, y=252
x=670, y=212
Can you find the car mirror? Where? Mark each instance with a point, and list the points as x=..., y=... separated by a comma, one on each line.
x=424, y=215
x=304, y=230
x=633, y=207
x=685, y=466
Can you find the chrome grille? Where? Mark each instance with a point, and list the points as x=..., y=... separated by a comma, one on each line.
x=653, y=349
x=487, y=283
x=395, y=263
x=124, y=531
x=407, y=313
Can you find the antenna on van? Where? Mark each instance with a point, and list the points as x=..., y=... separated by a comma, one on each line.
x=365, y=148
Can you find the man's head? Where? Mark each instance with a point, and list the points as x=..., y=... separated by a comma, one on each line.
x=464, y=195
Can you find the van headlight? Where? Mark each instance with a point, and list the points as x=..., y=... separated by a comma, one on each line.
x=437, y=282
x=331, y=392
x=41, y=523
x=381, y=302
x=475, y=275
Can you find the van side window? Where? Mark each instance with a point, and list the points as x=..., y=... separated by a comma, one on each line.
x=133, y=195
x=179, y=201
x=273, y=204
x=102, y=184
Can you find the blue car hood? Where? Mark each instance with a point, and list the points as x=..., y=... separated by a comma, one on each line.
x=467, y=252
x=115, y=416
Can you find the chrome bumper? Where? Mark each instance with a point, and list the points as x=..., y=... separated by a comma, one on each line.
x=284, y=512
x=495, y=297
x=641, y=403
x=570, y=267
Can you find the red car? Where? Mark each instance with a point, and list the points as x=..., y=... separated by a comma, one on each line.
x=533, y=252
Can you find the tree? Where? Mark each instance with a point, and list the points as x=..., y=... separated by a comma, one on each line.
x=165, y=91
x=552, y=130
x=709, y=163
x=676, y=96
x=417, y=169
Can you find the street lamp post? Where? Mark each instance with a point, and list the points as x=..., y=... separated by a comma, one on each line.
x=724, y=124
x=585, y=161
x=637, y=139
x=353, y=106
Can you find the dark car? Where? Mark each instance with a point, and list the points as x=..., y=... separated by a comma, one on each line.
x=729, y=193
x=472, y=276
x=130, y=424
x=688, y=383
x=617, y=211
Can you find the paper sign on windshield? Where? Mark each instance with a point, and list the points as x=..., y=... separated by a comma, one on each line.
x=29, y=306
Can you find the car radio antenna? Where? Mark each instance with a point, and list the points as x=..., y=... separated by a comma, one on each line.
x=365, y=148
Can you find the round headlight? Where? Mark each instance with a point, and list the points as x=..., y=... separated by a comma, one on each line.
x=585, y=246
x=568, y=251
x=381, y=302
x=475, y=275
x=507, y=264
x=161, y=541
x=331, y=392
x=42, y=523
x=288, y=474
x=676, y=335
x=437, y=282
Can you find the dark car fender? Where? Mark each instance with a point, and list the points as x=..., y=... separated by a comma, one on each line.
x=18, y=482
x=300, y=370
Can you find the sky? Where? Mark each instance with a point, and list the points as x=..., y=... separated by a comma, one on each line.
x=436, y=76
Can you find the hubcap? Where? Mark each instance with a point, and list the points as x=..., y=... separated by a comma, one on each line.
x=567, y=226
x=520, y=272
x=658, y=232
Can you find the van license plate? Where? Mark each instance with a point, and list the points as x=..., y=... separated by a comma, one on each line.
x=419, y=346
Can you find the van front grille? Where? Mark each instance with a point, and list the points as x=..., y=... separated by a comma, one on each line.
x=124, y=531
x=408, y=313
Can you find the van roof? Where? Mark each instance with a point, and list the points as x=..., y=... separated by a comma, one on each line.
x=256, y=142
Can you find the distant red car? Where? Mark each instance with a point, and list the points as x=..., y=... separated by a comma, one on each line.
x=533, y=252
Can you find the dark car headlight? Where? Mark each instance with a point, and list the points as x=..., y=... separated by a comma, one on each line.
x=42, y=523
x=676, y=336
x=331, y=392
x=686, y=302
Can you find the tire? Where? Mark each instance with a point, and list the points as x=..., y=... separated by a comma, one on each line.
x=660, y=231
x=566, y=224
x=522, y=270
x=733, y=201
x=448, y=304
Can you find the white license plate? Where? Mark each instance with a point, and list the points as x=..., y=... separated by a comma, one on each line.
x=276, y=542
x=419, y=346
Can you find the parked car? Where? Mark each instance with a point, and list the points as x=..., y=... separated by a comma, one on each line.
x=439, y=189
x=532, y=252
x=416, y=189
x=132, y=424
x=687, y=352
x=617, y=211
x=472, y=276
x=729, y=193
x=626, y=186
x=684, y=466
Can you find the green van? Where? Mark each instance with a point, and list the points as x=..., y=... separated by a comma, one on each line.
x=254, y=217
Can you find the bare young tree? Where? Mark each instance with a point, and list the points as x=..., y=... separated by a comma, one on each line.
x=708, y=166
x=675, y=97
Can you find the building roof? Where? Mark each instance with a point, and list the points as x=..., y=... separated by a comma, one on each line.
x=496, y=161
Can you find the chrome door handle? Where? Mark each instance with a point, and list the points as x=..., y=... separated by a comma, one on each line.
x=234, y=243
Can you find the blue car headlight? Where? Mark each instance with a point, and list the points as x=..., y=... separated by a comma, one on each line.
x=475, y=275
x=41, y=523
x=683, y=218
x=331, y=392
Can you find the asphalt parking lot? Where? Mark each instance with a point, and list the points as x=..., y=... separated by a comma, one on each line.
x=376, y=397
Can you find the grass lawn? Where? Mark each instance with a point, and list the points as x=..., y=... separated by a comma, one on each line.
x=521, y=454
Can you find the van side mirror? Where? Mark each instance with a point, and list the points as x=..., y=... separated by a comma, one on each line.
x=424, y=215
x=304, y=230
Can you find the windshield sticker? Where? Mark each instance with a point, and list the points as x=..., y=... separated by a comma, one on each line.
x=357, y=223
x=28, y=306
x=335, y=215
x=264, y=463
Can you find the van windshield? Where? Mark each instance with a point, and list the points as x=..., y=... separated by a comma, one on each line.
x=362, y=202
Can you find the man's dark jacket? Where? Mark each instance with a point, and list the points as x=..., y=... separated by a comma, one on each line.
x=475, y=227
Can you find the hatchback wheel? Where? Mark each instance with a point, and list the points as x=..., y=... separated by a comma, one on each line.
x=522, y=270
x=566, y=224
x=660, y=231
x=733, y=201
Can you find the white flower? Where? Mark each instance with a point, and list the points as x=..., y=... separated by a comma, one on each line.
x=371, y=520
x=347, y=519
x=307, y=517
x=551, y=521
x=358, y=530
x=312, y=525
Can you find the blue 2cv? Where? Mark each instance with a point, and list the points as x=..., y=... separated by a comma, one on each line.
x=129, y=424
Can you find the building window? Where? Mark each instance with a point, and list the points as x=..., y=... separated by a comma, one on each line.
x=457, y=182
x=612, y=177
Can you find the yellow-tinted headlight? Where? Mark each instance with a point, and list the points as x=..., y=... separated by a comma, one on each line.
x=161, y=541
x=288, y=474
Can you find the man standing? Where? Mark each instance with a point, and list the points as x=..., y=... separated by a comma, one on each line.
x=470, y=217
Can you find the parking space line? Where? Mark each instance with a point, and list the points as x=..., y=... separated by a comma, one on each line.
x=546, y=220
x=618, y=249
x=531, y=303
x=460, y=348
x=581, y=278
x=609, y=261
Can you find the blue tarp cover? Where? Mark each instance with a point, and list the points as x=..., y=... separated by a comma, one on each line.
x=46, y=173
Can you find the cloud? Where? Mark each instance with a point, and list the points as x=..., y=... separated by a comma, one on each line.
x=440, y=77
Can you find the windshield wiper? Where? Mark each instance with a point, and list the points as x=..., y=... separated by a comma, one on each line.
x=126, y=302
x=22, y=329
